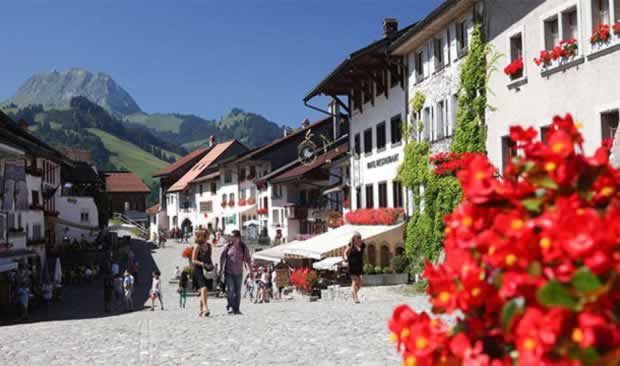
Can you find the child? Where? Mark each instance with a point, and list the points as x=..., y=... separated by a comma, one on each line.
x=249, y=287
x=156, y=291
x=183, y=282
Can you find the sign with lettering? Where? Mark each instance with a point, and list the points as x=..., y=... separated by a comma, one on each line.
x=383, y=161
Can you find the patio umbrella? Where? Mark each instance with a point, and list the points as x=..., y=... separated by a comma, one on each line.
x=58, y=272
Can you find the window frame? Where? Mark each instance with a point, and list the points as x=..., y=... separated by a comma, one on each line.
x=397, y=194
x=381, y=138
x=517, y=33
x=369, y=193
x=368, y=144
x=602, y=122
x=438, y=53
x=462, y=37
x=509, y=150
x=396, y=130
x=383, y=201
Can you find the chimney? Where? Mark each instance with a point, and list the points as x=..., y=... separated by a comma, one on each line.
x=305, y=123
x=390, y=27
x=23, y=124
x=286, y=131
x=211, y=141
x=334, y=109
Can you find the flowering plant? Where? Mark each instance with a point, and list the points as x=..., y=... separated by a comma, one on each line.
x=601, y=34
x=223, y=204
x=374, y=216
x=231, y=203
x=531, y=262
x=251, y=201
x=261, y=211
x=568, y=48
x=449, y=163
x=515, y=67
x=187, y=252
x=543, y=59
x=345, y=202
x=304, y=279
x=616, y=28
x=242, y=202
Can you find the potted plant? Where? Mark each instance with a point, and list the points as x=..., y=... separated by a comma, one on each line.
x=242, y=202
x=231, y=203
x=600, y=35
x=544, y=59
x=251, y=201
x=223, y=204
x=515, y=68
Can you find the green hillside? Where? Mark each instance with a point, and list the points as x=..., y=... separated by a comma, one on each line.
x=129, y=156
x=158, y=121
x=193, y=145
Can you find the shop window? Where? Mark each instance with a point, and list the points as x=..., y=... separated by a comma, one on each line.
x=397, y=194
x=381, y=136
x=552, y=32
x=516, y=52
x=383, y=201
x=368, y=141
x=438, y=53
x=396, y=129
x=509, y=151
x=358, y=198
x=356, y=144
x=461, y=38
x=609, y=124
x=570, y=24
x=370, y=202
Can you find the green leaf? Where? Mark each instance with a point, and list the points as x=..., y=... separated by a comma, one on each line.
x=509, y=310
x=553, y=293
x=589, y=356
x=533, y=204
x=535, y=268
x=543, y=180
x=585, y=281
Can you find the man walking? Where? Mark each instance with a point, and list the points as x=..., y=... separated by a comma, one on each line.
x=128, y=283
x=234, y=255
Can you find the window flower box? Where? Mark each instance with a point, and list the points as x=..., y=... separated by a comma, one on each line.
x=261, y=211
x=616, y=29
x=561, y=54
x=601, y=34
x=242, y=202
x=223, y=204
x=515, y=68
x=231, y=203
x=375, y=216
x=251, y=201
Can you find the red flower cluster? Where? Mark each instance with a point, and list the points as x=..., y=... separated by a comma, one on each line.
x=298, y=278
x=345, y=203
x=187, y=252
x=564, y=49
x=531, y=262
x=374, y=216
x=543, y=59
x=223, y=204
x=515, y=67
x=616, y=28
x=231, y=203
x=601, y=34
x=251, y=201
x=448, y=163
x=261, y=211
x=242, y=202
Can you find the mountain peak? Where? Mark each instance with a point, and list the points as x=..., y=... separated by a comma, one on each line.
x=57, y=88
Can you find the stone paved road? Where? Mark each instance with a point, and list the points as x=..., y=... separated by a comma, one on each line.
x=285, y=333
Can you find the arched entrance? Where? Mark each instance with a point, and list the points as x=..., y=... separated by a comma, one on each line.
x=399, y=250
x=186, y=226
x=371, y=253
x=386, y=256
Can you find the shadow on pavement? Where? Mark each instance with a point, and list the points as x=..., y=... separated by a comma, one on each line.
x=86, y=301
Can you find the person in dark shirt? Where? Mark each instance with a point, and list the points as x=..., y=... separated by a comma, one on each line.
x=354, y=255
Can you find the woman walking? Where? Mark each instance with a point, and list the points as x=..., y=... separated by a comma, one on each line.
x=183, y=282
x=202, y=263
x=354, y=255
x=156, y=291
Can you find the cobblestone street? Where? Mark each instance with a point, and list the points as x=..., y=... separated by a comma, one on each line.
x=279, y=333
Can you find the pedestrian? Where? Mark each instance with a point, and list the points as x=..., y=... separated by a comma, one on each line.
x=108, y=288
x=249, y=287
x=264, y=285
x=354, y=255
x=202, y=266
x=183, y=283
x=128, y=283
x=155, y=292
x=234, y=256
x=119, y=295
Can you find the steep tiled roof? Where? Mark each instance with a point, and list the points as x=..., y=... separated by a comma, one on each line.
x=181, y=162
x=125, y=182
x=302, y=169
x=200, y=167
x=153, y=209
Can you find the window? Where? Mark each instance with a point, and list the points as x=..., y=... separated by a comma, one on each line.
x=383, y=194
x=461, y=38
x=367, y=88
x=231, y=197
x=509, y=150
x=552, y=33
x=419, y=65
x=394, y=74
x=396, y=129
x=440, y=119
x=357, y=98
x=276, y=216
x=200, y=188
x=242, y=194
x=358, y=197
x=277, y=190
x=426, y=119
x=252, y=174
x=368, y=141
x=84, y=217
x=253, y=192
x=609, y=124
x=516, y=52
x=241, y=174
x=303, y=198
x=265, y=202
x=206, y=206
x=213, y=187
x=35, y=198
x=380, y=84
x=453, y=107
x=37, y=231
x=544, y=130
x=438, y=53
x=381, y=136
x=569, y=24
x=356, y=144
x=224, y=200
x=227, y=176
x=617, y=11
x=397, y=193
x=370, y=202
x=600, y=13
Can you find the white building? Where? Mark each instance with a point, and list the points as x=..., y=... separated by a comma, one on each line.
x=584, y=84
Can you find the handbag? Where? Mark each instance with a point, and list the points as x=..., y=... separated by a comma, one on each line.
x=209, y=274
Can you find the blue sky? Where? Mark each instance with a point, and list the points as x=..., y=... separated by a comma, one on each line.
x=197, y=56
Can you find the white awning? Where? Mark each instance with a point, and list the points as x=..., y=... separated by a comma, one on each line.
x=273, y=254
x=246, y=208
x=333, y=242
x=328, y=264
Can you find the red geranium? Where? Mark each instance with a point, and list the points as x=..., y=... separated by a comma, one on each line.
x=531, y=262
x=374, y=216
x=251, y=201
x=242, y=202
x=515, y=67
x=601, y=34
x=544, y=58
x=223, y=204
x=261, y=211
x=187, y=252
x=616, y=28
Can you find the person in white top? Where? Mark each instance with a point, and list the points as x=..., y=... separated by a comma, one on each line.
x=274, y=289
x=156, y=291
x=128, y=282
x=177, y=273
